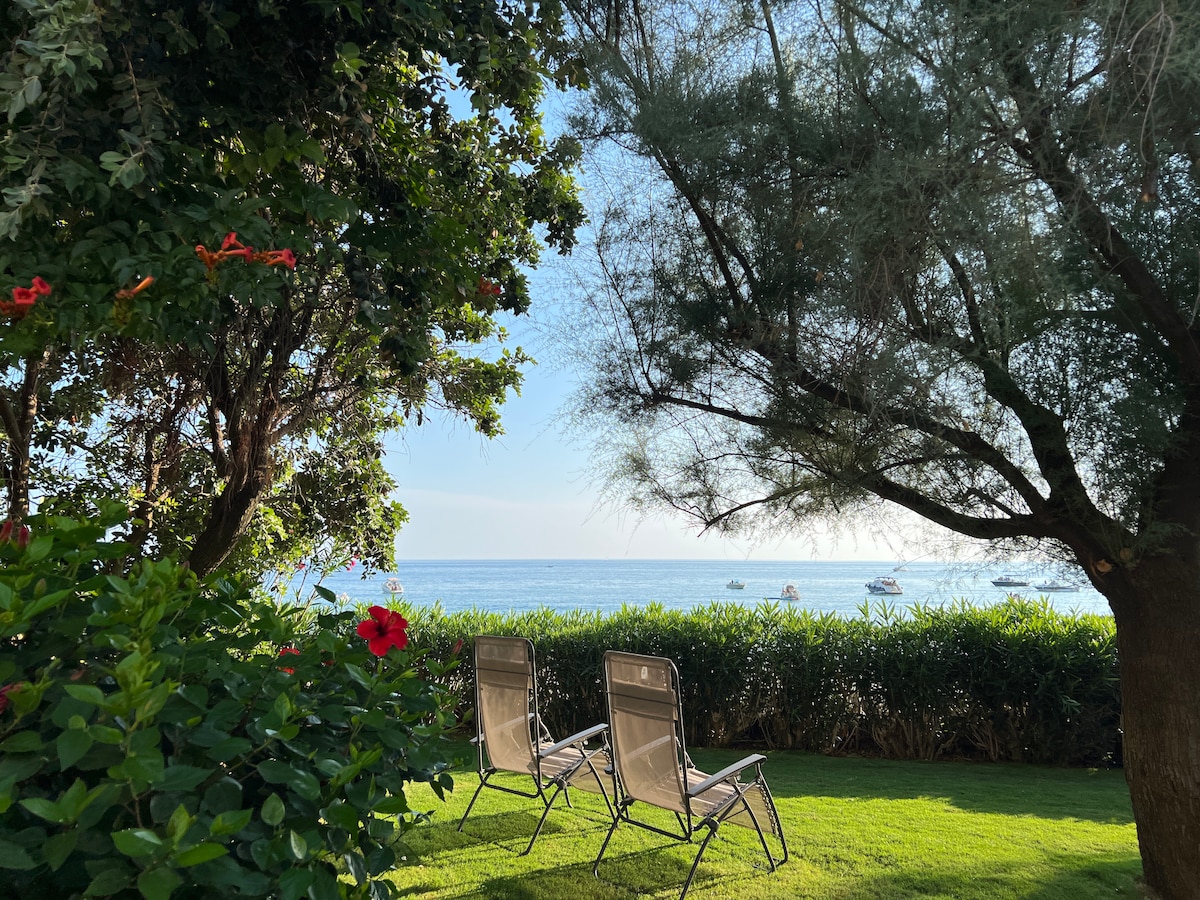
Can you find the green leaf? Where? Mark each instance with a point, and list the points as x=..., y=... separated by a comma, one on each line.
x=23, y=742
x=58, y=847
x=45, y=809
x=201, y=853
x=294, y=883
x=194, y=694
x=356, y=866
x=157, y=884
x=182, y=778
x=230, y=822
x=108, y=882
x=343, y=815
x=88, y=693
x=105, y=734
x=72, y=745
x=178, y=824
x=297, y=846
x=137, y=842
x=229, y=748
x=276, y=772
x=303, y=783
x=273, y=810
x=14, y=857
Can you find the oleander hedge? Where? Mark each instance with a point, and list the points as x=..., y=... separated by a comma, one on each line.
x=1012, y=682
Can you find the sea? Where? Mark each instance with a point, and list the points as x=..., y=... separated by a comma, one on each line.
x=605, y=585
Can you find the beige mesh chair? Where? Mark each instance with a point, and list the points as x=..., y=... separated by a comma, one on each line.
x=510, y=736
x=651, y=765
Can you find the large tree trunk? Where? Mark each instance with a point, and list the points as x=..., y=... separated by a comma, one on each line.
x=1157, y=611
x=18, y=419
x=228, y=519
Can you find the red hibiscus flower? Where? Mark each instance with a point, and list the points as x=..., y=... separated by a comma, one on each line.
x=383, y=629
x=288, y=651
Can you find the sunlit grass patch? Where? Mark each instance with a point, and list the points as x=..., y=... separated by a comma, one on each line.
x=856, y=829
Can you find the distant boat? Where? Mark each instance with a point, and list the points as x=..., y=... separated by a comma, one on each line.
x=393, y=586
x=736, y=585
x=1007, y=581
x=1055, y=586
x=789, y=592
x=884, y=585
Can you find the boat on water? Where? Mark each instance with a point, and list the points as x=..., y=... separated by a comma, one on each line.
x=884, y=585
x=1009, y=581
x=736, y=585
x=393, y=586
x=1055, y=586
x=789, y=592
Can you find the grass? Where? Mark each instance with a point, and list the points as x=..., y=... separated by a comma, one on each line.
x=856, y=829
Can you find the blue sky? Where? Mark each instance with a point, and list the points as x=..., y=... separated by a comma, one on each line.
x=529, y=495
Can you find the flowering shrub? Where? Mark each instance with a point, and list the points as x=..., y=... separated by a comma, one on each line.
x=156, y=741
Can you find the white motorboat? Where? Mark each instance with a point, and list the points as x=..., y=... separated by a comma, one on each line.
x=1055, y=586
x=736, y=585
x=884, y=585
x=393, y=586
x=1008, y=581
x=789, y=592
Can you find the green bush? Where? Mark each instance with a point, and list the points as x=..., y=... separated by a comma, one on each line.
x=1017, y=681
x=172, y=737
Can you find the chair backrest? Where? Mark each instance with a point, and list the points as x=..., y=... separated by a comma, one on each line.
x=506, y=701
x=645, y=727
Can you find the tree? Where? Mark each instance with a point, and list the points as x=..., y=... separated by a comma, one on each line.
x=215, y=396
x=939, y=254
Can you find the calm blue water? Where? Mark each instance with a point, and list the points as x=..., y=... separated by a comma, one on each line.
x=604, y=585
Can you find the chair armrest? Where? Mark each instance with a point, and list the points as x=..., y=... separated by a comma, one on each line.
x=724, y=774
x=586, y=735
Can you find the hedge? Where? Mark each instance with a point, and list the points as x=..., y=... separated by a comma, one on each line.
x=1017, y=681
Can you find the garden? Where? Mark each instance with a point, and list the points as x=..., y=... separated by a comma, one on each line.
x=242, y=245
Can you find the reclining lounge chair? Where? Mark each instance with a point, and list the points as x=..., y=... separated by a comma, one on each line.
x=651, y=765
x=510, y=736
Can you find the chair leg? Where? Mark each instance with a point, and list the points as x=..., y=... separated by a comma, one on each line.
x=542, y=821
x=703, y=846
x=608, y=837
x=474, y=797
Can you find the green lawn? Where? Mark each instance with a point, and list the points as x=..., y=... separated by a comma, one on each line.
x=856, y=828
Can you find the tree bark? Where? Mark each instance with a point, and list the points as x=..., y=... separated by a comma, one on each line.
x=1158, y=631
x=18, y=420
x=231, y=513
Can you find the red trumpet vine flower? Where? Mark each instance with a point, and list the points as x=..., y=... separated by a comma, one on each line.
x=231, y=246
x=23, y=298
x=126, y=293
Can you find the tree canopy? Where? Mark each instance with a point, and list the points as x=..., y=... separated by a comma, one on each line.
x=396, y=152
x=941, y=254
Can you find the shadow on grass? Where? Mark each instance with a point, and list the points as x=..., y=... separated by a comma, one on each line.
x=1078, y=878
x=1011, y=789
